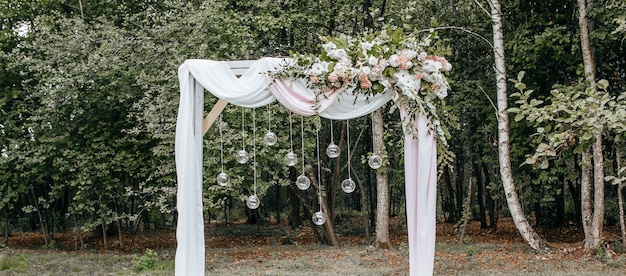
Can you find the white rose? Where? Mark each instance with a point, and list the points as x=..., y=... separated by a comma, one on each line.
x=319, y=68
x=365, y=70
x=431, y=66
x=329, y=46
x=410, y=54
x=372, y=60
x=366, y=46
x=408, y=84
x=393, y=60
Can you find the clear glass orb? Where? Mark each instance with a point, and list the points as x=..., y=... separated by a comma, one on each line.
x=253, y=202
x=319, y=218
x=291, y=159
x=375, y=161
x=270, y=138
x=242, y=156
x=348, y=185
x=332, y=150
x=223, y=179
x=303, y=182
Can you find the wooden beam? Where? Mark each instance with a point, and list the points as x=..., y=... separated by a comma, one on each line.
x=210, y=118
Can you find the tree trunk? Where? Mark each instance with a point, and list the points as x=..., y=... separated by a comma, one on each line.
x=522, y=224
x=620, y=199
x=332, y=201
x=294, y=201
x=480, y=183
x=329, y=229
x=364, y=204
x=382, y=185
x=596, y=217
x=585, y=194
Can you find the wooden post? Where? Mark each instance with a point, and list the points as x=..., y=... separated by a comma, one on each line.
x=210, y=118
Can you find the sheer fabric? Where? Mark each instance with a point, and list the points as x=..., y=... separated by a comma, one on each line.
x=255, y=88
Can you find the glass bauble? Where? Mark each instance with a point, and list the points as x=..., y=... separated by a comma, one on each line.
x=242, y=156
x=375, y=161
x=303, y=182
x=253, y=202
x=348, y=185
x=223, y=179
x=332, y=150
x=270, y=138
x=291, y=159
x=319, y=218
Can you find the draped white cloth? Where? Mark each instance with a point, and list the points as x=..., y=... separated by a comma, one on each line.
x=255, y=88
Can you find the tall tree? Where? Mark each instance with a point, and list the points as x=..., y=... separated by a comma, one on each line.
x=517, y=213
x=593, y=219
x=382, y=185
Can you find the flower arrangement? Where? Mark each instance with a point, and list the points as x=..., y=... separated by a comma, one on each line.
x=375, y=63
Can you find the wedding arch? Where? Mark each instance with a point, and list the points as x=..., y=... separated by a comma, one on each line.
x=347, y=91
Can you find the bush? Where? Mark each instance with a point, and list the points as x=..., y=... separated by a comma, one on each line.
x=146, y=262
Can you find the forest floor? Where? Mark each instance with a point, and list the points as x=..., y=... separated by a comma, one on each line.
x=240, y=249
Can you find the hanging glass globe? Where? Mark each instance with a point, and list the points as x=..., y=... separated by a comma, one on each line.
x=332, y=150
x=291, y=159
x=270, y=138
x=253, y=202
x=223, y=179
x=303, y=182
x=348, y=185
x=242, y=156
x=319, y=218
x=375, y=161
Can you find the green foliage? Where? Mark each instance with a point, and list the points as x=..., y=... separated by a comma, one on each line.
x=145, y=262
x=569, y=119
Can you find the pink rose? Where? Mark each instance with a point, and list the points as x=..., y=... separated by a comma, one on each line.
x=314, y=78
x=332, y=77
x=365, y=82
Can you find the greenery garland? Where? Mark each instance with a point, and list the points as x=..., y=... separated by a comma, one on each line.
x=377, y=62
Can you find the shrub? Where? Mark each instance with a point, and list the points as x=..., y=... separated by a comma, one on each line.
x=146, y=262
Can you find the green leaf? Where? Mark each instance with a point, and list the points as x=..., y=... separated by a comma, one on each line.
x=603, y=84
x=520, y=86
x=520, y=75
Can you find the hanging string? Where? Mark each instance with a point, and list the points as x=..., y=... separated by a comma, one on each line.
x=348, y=134
x=243, y=137
x=221, y=143
x=302, y=135
x=290, y=131
x=332, y=139
x=319, y=172
x=269, y=118
x=254, y=146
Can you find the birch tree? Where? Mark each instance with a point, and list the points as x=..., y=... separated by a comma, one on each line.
x=517, y=213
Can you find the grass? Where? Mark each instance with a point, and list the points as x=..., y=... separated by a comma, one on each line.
x=451, y=259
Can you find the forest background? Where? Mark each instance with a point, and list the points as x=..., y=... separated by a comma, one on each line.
x=89, y=98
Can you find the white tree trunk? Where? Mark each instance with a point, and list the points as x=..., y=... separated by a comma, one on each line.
x=593, y=229
x=382, y=185
x=585, y=193
x=620, y=199
x=522, y=224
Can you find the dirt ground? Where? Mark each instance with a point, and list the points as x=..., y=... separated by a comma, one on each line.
x=240, y=249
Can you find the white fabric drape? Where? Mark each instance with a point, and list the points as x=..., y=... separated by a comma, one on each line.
x=421, y=191
x=255, y=88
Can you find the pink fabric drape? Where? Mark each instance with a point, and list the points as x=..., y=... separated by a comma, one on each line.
x=420, y=169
